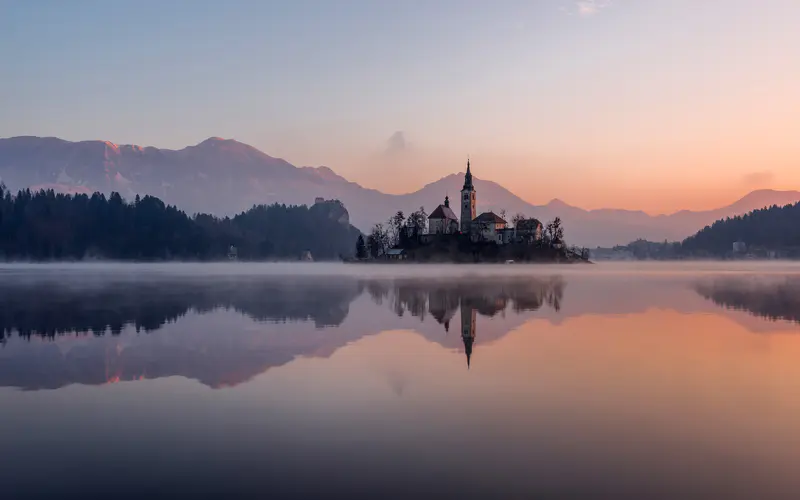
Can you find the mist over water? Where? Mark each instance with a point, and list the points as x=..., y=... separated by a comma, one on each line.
x=361, y=381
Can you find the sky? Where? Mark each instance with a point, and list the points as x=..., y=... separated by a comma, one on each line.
x=657, y=105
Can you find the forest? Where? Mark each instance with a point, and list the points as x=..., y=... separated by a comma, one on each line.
x=45, y=225
x=768, y=229
x=770, y=232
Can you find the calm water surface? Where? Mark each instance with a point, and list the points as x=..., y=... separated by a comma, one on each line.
x=318, y=381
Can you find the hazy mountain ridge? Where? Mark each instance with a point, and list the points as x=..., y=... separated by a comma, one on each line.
x=224, y=176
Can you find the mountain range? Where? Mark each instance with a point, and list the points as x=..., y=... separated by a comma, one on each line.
x=224, y=177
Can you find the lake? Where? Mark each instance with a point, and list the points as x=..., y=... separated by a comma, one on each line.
x=640, y=381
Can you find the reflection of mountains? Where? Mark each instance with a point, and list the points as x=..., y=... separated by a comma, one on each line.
x=222, y=348
x=773, y=298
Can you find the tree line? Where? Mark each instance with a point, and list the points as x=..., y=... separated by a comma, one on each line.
x=771, y=228
x=762, y=231
x=45, y=225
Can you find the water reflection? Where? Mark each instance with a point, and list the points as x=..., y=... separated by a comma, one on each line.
x=537, y=386
x=208, y=334
x=765, y=297
x=223, y=332
x=49, y=308
x=487, y=297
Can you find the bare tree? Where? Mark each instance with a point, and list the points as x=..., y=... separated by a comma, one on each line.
x=558, y=230
x=554, y=233
x=378, y=241
x=517, y=218
x=395, y=225
x=418, y=221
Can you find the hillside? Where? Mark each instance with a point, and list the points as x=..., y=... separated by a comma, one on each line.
x=50, y=226
x=769, y=229
x=224, y=177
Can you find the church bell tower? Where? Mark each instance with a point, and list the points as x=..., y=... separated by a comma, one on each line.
x=468, y=202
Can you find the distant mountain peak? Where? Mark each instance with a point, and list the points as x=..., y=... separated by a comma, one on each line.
x=765, y=192
x=211, y=141
x=556, y=203
x=766, y=197
x=220, y=145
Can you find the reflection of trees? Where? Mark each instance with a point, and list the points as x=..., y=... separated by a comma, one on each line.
x=773, y=299
x=51, y=308
x=487, y=296
x=378, y=290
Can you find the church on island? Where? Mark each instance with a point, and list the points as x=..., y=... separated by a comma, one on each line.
x=487, y=227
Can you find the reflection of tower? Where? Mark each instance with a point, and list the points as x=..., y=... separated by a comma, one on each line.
x=468, y=315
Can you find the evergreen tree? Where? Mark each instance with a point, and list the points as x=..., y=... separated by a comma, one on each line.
x=361, y=247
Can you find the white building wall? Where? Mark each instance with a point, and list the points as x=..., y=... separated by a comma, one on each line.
x=442, y=226
x=489, y=232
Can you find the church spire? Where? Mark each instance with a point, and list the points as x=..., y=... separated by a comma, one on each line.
x=468, y=177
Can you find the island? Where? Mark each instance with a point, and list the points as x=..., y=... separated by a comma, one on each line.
x=488, y=237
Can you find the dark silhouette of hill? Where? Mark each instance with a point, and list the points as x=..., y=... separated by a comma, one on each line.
x=776, y=228
x=50, y=226
x=224, y=177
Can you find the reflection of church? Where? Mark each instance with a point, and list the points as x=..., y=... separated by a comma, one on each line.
x=487, y=297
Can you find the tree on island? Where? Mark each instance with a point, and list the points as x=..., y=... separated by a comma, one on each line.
x=418, y=222
x=361, y=248
x=554, y=233
x=395, y=225
x=378, y=241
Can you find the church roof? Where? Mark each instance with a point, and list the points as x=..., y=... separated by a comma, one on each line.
x=443, y=212
x=490, y=217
